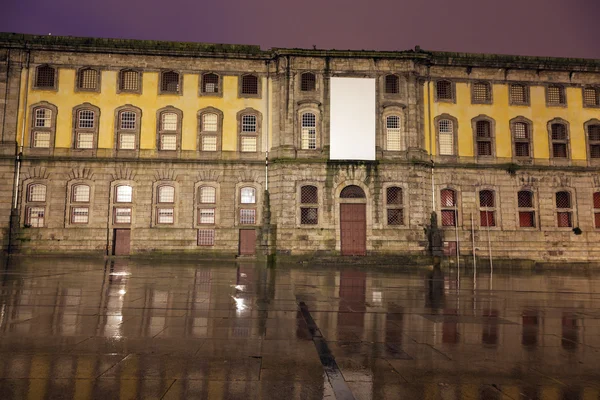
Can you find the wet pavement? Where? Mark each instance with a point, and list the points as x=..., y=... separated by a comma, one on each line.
x=130, y=329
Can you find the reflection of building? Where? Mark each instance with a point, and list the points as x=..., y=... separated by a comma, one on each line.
x=134, y=146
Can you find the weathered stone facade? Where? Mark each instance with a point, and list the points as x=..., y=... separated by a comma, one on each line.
x=414, y=175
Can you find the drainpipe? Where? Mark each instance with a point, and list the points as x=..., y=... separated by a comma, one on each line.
x=430, y=138
x=24, y=121
x=268, y=62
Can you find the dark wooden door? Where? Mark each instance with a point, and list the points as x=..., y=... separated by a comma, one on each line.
x=247, y=242
x=353, y=229
x=121, y=242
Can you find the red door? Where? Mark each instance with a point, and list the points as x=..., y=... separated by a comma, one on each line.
x=121, y=242
x=247, y=242
x=353, y=229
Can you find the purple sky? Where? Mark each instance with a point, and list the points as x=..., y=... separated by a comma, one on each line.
x=562, y=28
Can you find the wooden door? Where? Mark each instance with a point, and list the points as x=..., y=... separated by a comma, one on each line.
x=247, y=242
x=353, y=229
x=121, y=242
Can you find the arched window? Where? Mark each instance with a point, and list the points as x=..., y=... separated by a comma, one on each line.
x=526, y=209
x=394, y=133
x=170, y=82
x=123, y=199
x=309, y=210
x=248, y=195
x=596, y=201
x=210, y=83
x=80, y=207
x=444, y=90
x=166, y=194
x=35, y=209
x=446, y=137
x=309, y=131
x=487, y=208
x=43, y=126
x=207, y=198
x=483, y=135
x=165, y=213
x=124, y=194
x=449, y=207
x=249, y=84
x=560, y=140
x=392, y=84
x=352, y=192
x=555, y=95
x=593, y=133
x=521, y=135
x=248, y=209
x=128, y=129
x=86, y=127
x=45, y=77
x=169, y=130
x=591, y=97
x=87, y=79
x=519, y=94
x=564, y=210
x=308, y=82
x=129, y=81
x=249, y=133
x=481, y=92
x=394, y=204
x=210, y=125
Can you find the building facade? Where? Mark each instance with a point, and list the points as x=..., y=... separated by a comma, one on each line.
x=131, y=147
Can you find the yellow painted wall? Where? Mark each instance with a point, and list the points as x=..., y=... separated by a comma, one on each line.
x=502, y=113
x=149, y=102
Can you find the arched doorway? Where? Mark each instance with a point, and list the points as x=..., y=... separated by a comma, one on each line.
x=353, y=221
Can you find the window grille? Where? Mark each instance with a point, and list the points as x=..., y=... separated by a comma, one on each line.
x=85, y=140
x=309, y=216
x=249, y=123
x=394, y=195
x=521, y=131
x=559, y=132
x=593, y=132
x=127, y=141
x=209, y=122
x=43, y=118
x=448, y=198
x=86, y=119
x=45, y=77
x=88, y=79
x=124, y=194
x=518, y=94
x=591, y=97
x=487, y=218
x=166, y=215
x=392, y=84
x=481, y=92
x=166, y=194
x=37, y=193
x=395, y=216
x=484, y=138
x=446, y=137
x=444, y=90
x=247, y=216
x=206, y=237
x=168, y=142
x=248, y=144
x=487, y=208
x=564, y=212
x=308, y=82
x=206, y=216
x=41, y=140
x=169, y=121
x=526, y=219
x=210, y=83
x=521, y=137
x=35, y=217
x=597, y=209
x=525, y=199
x=79, y=215
x=309, y=195
x=249, y=84
x=127, y=120
x=448, y=203
x=170, y=82
x=559, y=140
x=393, y=133
x=208, y=195
x=309, y=131
x=209, y=143
x=486, y=198
x=526, y=212
x=448, y=217
x=248, y=195
x=556, y=95
x=563, y=200
x=81, y=194
x=122, y=215
x=352, y=192
x=564, y=219
x=129, y=81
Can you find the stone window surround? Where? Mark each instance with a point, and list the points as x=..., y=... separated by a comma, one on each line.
x=51, y=88
x=535, y=209
x=258, y=135
x=70, y=203
x=301, y=75
x=526, y=88
x=318, y=205
x=593, y=121
x=559, y=161
x=156, y=205
x=315, y=108
x=179, y=84
x=483, y=117
x=113, y=202
x=597, y=89
x=136, y=131
x=201, y=92
x=399, y=110
x=215, y=205
x=404, y=206
x=98, y=79
x=259, y=86
x=497, y=209
x=401, y=85
x=52, y=129
x=256, y=206
x=94, y=130
x=436, y=122
x=572, y=210
x=159, y=131
x=564, y=92
x=218, y=133
x=27, y=183
x=140, y=81
x=452, y=90
x=458, y=202
x=529, y=123
x=490, y=88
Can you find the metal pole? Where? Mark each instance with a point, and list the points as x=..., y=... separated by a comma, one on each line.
x=457, y=243
x=473, y=239
x=487, y=222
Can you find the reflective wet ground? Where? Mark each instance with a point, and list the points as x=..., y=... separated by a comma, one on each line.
x=124, y=330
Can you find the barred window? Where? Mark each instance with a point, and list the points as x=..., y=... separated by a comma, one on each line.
x=169, y=130
x=165, y=215
x=35, y=213
x=522, y=139
x=206, y=237
x=85, y=128
x=309, y=195
x=309, y=131
x=446, y=137
x=249, y=127
x=36, y=193
x=560, y=140
x=248, y=195
x=208, y=195
x=555, y=95
x=127, y=120
x=129, y=80
x=170, y=82
x=444, y=90
x=209, y=143
x=526, y=209
x=86, y=119
x=352, y=192
x=394, y=205
x=249, y=123
x=85, y=140
x=122, y=215
x=248, y=144
x=81, y=194
x=80, y=215
x=127, y=141
x=309, y=215
x=43, y=127
x=35, y=217
x=519, y=94
x=564, y=212
x=206, y=216
x=210, y=83
x=249, y=84
x=394, y=133
x=483, y=131
x=209, y=122
x=87, y=79
x=487, y=208
x=127, y=130
x=166, y=194
x=392, y=84
x=591, y=97
x=482, y=92
x=169, y=121
x=449, y=208
x=41, y=140
x=124, y=194
x=308, y=82
x=593, y=132
x=247, y=216
x=43, y=118
x=45, y=77
x=597, y=209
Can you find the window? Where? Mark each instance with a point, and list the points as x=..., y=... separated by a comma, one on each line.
x=559, y=140
x=394, y=133
x=80, y=209
x=210, y=83
x=248, y=195
x=555, y=95
x=591, y=97
x=35, y=209
x=129, y=81
x=309, y=131
x=122, y=213
x=247, y=198
x=170, y=82
x=597, y=209
x=593, y=134
x=210, y=123
x=519, y=94
x=392, y=84
x=487, y=208
x=86, y=127
x=87, y=79
x=481, y=92
x=127, y=134
x=521, y=134
x=124, y=194
x=207, y=197
x=308, y=82
x=247, y=216
x=206, y=237
x=444, y=91
x=394, y=202
x=169, y=129
x=45, y=77
x=166, y=194
x=309, y=210
x=249, y=84
x=526, y=209
x=165, y=198
x=248, y=132
x=449, y=207
x=446, y=129
x=564, y=210
x=483, y=134
x=43, y=126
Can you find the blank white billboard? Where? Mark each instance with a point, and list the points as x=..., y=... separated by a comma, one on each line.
x=352, y=119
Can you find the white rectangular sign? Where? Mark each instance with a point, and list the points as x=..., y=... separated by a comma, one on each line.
x=352, y=119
